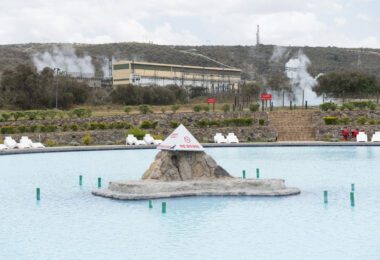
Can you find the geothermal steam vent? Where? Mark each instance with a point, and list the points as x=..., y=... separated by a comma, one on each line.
x=182, y=168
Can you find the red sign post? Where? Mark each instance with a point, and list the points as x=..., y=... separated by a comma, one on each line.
x=211, y=101
x=264, y=98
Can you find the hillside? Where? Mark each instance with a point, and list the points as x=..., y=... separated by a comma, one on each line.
x=255, y=61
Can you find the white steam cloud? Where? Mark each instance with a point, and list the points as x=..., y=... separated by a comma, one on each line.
x=66, y=60
x=302, y=82
x=279, y=53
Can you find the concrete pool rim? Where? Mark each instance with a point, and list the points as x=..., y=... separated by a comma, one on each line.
x=206, y=145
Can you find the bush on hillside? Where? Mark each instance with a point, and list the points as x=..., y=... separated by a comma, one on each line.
x=330, y=120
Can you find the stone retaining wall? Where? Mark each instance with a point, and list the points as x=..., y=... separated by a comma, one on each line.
x=136, y=119
x=254, y=133
x=333, y=132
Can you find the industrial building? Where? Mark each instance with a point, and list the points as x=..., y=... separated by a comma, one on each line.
x=147, y=74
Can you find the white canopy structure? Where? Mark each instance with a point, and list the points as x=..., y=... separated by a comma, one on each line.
x=181, y=140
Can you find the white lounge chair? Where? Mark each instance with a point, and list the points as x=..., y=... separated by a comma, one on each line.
x=148, y=139
x=362, y=137
x=376, y=137
x=232, y=138
x=37, y=145
x=132, y=140
x=25, y=142
x=219, y=138
x=3, y=147
x=10, y=143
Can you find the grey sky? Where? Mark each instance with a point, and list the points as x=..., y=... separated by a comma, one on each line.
x=350, y=23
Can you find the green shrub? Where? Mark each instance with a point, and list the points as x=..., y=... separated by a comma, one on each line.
x=42, y=114
x=372, y=122
x=87, y=139
x=158, y=136
x=206, y=108
x=148, y=124
x=52, y=114
x=330, y=120
x=344, y=120
x=174, y=124
x=328, y=106
x=6, y=116
x=22, y=129
x=8, y=130
x=226, y=108
x=163, y=110
x=138, y=133
x=48, y=128
x=61, y=114
x=33, y=128
x=74, y=127
x=349, y=106
x=371, y=105
x=225, y=122
x=261, y=121
x=102, y=125
x=65, y=128
x=50, y=143
x=17, y=115
x=31, y=115
x=254, y=107
x=197, y=108
x=361, y=120
x=80, y=112
x=93, y=126
x=145, y=109
x=360, y=104
x=175, y=108
x=127, y=109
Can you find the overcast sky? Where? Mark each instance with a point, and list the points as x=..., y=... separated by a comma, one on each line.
x=344, y=23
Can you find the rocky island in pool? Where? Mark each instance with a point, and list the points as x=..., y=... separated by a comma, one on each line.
x=182, y=168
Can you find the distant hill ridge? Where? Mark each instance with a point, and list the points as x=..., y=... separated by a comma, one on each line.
x=255, y=61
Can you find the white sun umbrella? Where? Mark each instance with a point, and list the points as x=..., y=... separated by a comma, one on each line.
x=181, y=140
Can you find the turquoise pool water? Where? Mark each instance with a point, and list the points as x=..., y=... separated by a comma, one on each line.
x=70, y=223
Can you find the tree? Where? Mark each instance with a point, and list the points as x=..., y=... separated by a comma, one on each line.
x=25, y=88
x=347, y=84
x=251, y=89
x=279, y=82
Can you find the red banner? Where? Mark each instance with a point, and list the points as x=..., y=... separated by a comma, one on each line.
x=211, y=100
x=266, y=97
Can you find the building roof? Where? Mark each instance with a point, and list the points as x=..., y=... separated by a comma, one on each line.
x=176, y=65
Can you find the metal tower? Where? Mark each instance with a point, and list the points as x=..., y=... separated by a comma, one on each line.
x=258, y=35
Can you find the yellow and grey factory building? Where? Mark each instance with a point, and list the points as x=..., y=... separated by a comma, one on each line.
x=146, y=74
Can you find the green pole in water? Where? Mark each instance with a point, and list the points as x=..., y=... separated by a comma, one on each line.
x=99, y=182
x=352, y=199
x=325, y=193
x=80, y=180
x=163, y=207
x=257, y=173
x=243, y=174
x=150, y=204
x=38, y=194
x=352, y=187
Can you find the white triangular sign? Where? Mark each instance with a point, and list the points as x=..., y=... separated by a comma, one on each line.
x=181, y=140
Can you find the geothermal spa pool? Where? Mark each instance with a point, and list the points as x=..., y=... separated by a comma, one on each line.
x=70, y=223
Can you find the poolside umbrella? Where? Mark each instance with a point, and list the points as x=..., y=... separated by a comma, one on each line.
x=181, y=140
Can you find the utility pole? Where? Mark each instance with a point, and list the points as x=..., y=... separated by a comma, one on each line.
x=56, y=87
